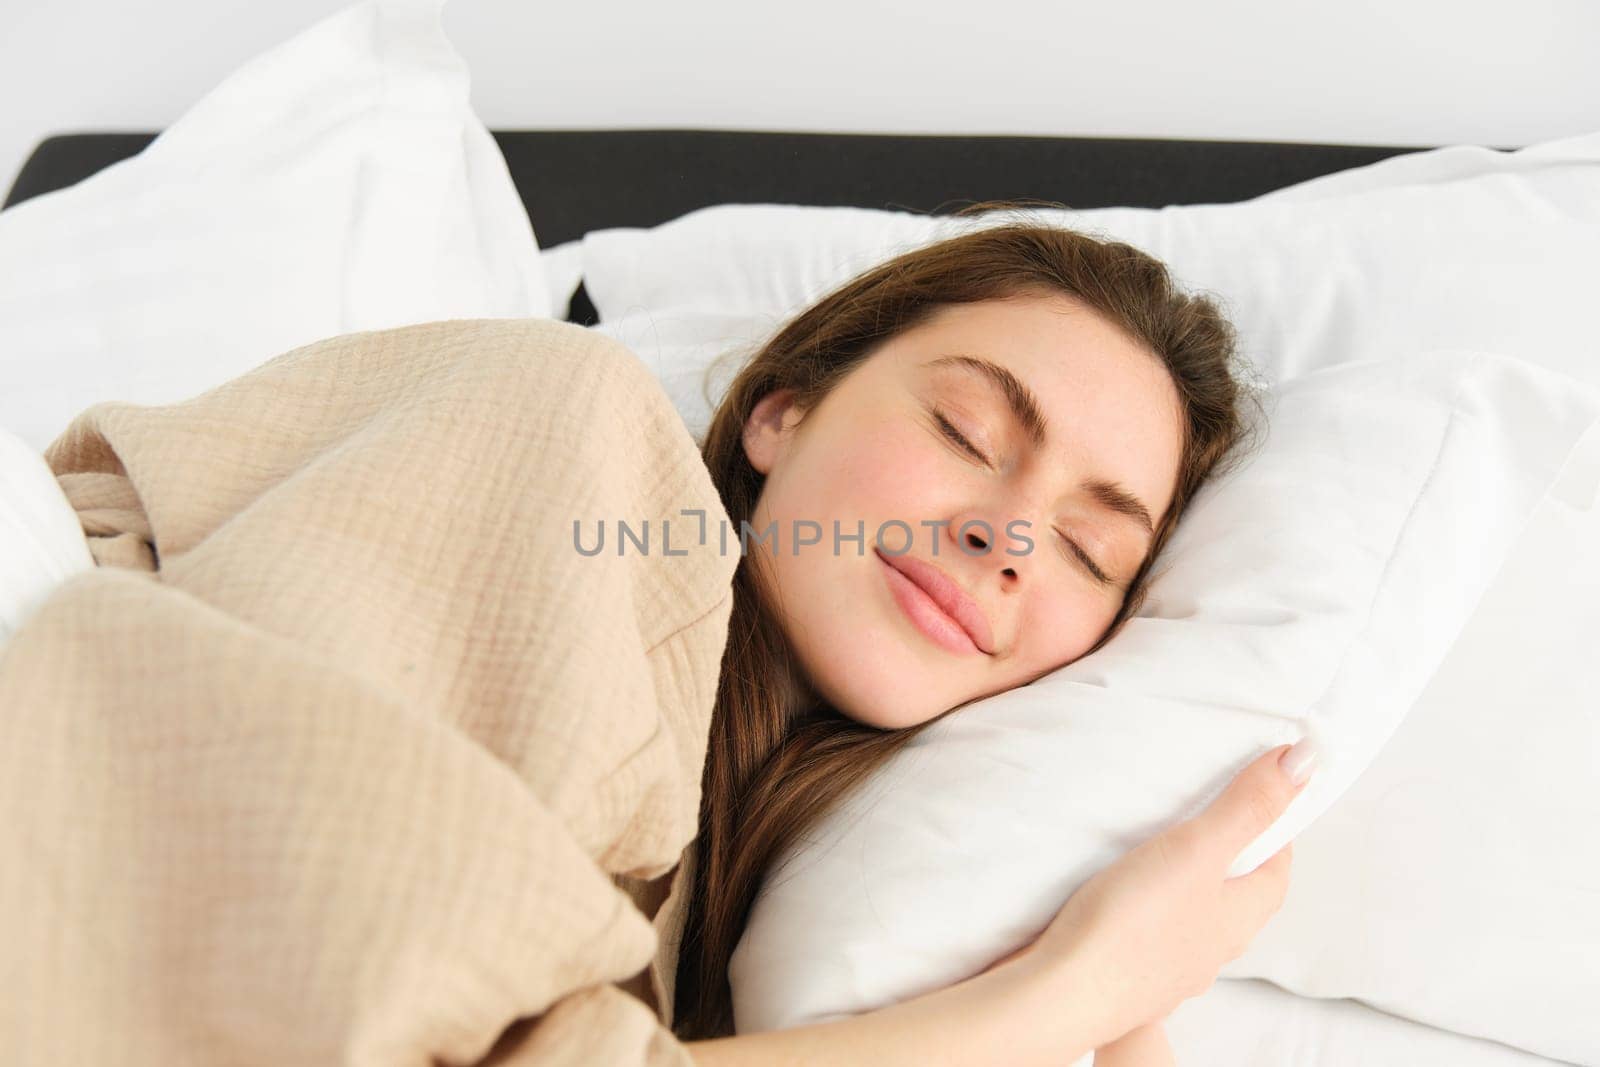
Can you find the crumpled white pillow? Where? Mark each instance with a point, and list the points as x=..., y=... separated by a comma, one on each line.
x=1458, y=881
x=338, y=182
x=1461, y=247
x=1312, y=590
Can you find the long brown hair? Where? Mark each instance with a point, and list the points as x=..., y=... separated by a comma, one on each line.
x=778, y=761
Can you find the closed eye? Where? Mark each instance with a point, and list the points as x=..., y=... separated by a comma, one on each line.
x=948, y=428
x=1084, y=557
x=960, y=440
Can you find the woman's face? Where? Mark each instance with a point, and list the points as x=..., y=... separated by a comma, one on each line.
x=879, y=456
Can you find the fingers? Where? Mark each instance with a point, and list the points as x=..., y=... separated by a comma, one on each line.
x=1249, y=805
x=1254, y=898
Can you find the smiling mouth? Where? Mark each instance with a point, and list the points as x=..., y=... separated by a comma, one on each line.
x=926, y=614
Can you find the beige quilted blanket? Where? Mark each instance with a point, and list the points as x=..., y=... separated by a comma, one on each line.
x=344, y=754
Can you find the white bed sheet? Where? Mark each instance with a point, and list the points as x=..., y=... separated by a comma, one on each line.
x=1248, y=1022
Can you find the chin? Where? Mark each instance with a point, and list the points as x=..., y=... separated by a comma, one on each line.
x=878, y=697
x=893, y=697
x=884, y=715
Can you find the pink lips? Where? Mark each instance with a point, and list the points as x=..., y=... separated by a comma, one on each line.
x=937, y=605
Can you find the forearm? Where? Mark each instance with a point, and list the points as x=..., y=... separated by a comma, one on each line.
x=1144, y=1046
x=1014, y=1015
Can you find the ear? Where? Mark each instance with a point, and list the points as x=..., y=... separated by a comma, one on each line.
x=769, y=428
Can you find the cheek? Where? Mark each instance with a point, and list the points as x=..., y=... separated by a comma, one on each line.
x=1061, y=625
x=845, y=473
x=876, y=473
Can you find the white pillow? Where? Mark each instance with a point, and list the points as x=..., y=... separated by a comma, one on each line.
x=1501, y=257
x=1439, y=165
x=720, y=280
x=1312, y=590
x=337, y=182
x=1458, y=882
x=563, y=270
x=1514, y=232
x=41, y=541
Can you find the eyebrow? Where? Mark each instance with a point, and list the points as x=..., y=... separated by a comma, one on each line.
x=1110, y=495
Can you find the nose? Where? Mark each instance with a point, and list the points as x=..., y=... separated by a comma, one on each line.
x=984, y=543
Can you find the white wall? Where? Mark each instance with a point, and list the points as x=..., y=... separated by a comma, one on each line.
x=1394, y=72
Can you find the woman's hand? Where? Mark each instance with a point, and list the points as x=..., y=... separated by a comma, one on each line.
x=1155, y=927
x=1143, y=1046
x=1132, y=943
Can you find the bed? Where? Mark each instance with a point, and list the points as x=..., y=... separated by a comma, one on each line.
x=574, y=182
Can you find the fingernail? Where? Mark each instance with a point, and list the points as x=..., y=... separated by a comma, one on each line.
x=1299, y=760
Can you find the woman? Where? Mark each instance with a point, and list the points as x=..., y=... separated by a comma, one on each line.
x=340, y=743
x=1019, y=415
